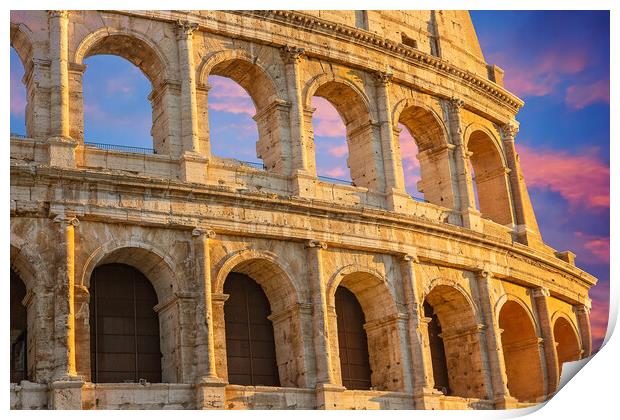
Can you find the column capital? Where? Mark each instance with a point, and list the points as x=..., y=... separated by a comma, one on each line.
x=509, y=131
x=292, y=54
x=57, y=13
x=313, y=243
x=409, y=257
x=184, y=29
x=456, y=103
x=383, y=78
x=484, y=273
x=583, y=308
x=208, y=233
x=540, y=292
x=66, y=220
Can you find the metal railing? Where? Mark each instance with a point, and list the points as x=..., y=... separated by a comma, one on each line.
x=335, y=180
x=18, y=135
x=256, y=165
x=121, y=148
x=420, y=199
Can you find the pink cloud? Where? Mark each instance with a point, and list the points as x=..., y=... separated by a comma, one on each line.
x=228, y=96
x=411, y=165
x=326, y=121
x=580, y=96
x=539, y=77
x=338, y=151
x=599, y=316
x=336, y=172
x=597, y=246
x=582, y=180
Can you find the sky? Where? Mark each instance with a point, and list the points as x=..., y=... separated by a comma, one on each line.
x=556, y=61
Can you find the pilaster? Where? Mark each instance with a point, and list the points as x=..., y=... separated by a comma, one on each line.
x=585, y=329
x=550, y=355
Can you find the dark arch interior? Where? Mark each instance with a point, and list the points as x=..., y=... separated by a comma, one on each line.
x=19, y=336
x=568, y=348
x=250, y=344
x=124, y=328
x=352, y=341
x=438, y=352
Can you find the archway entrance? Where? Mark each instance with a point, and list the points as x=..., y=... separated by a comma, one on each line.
x=124, y=328
x=453, y=331
x=250, y=345
x=352, y=341
x=521, y=353
x=19, y=330
x=567, y=343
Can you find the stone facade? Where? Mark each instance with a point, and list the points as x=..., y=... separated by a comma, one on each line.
x=511, y=308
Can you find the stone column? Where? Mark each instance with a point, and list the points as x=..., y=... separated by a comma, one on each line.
x=66, y=386
x=59, y=72
x=320, y=321
x=396, y=195
x=492, y=340
x=193, y=164
x=585, y=330
x=292, y=57
x=61, y=146
x=422, y=375
x=209, y=387
x=465, y=202
x=527, y=228
x=539, y=297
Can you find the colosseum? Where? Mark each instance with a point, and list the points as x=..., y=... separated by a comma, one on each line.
x=178, y=279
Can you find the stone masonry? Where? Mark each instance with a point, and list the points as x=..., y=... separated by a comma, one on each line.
x=511, y=308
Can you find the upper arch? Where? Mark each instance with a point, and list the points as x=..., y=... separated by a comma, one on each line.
x=422, y=121
x=509, y=297
x=131, y=45
x=21, y=41
x=153, y=262
x=267, y=269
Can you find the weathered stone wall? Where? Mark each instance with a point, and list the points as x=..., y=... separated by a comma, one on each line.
x=186, y=219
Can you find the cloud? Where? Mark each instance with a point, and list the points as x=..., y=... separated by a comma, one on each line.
x=336, y=172
x=18, y=96
x=582, y=180
x=411, y=165
x=338, y=150
x=120, y=85
x=226, y=95
x=597, y=246
x=599, y=315
x=580, y=96
x=539, y=76
x=326, y=121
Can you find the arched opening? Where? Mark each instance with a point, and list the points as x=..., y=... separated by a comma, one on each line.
x=239, y=90
x=19, y=330
x=457, y=327
x=330, y=143
x=124, y=327
x=368, y=353
x=275, y=315
x=438, y=352
x=521, y=349
x=490, y=179
x=250, y=345
x=363, y=157
x=424, y=156
x=115, y=111
x=18, y=96
x=411, y=165
x=567, y=342
x=233, y=132
x=352, y=341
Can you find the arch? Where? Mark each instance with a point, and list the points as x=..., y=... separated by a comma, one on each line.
x=365, y=160
x=458, y=321
x=381, y=316
x=124, y=327
x=152, y=261
x=566, y=338
x=18, y=329
x=340, y=92
x=506, y=297
x=521, y=348
x=134, y=46
x=246, y=70
x=491, y=176
x=426, y=127
x=267, y=269
x=23, y=264
x=21, y=41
